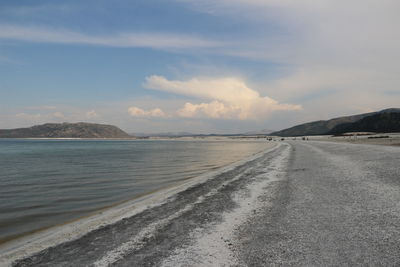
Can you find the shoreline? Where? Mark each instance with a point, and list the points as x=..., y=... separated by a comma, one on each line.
x=181, y=138
x=28, y=245
x=384, y=139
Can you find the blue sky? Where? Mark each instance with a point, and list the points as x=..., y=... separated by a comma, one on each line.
x=200, y=66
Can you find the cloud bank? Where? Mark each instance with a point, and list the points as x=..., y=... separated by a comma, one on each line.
x=230, y=98
x=348, y=48
x=138, y=112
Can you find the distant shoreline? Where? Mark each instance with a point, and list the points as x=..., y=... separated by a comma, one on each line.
x=177, y=138
x=385, y=139
x=66, y=138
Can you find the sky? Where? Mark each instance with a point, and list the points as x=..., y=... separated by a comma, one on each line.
x=200, y=66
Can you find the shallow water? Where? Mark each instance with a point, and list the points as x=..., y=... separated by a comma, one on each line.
x=48, y=182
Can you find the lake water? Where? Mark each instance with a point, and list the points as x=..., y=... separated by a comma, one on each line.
x=48, y=182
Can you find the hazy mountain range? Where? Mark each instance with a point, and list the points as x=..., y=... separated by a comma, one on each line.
x=66, y=130
x=387, y=120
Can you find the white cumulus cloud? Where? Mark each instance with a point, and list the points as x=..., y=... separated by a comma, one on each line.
x=138, y=112
x=230, y=98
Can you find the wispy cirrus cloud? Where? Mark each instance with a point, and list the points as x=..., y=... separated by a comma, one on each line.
x=230, y=98
x=44, y=107
x=123, y=39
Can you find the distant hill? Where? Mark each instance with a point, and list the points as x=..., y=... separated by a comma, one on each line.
x=323, y=127
x=66, y=130
x=382, y=122
x=261, y=132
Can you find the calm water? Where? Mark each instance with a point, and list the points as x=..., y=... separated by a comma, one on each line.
x=48, y=182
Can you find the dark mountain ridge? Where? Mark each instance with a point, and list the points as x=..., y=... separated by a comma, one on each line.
x=325, y=126
x=387, y=122
x=66, y=130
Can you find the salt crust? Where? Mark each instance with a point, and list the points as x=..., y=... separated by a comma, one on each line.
x=214, y=246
